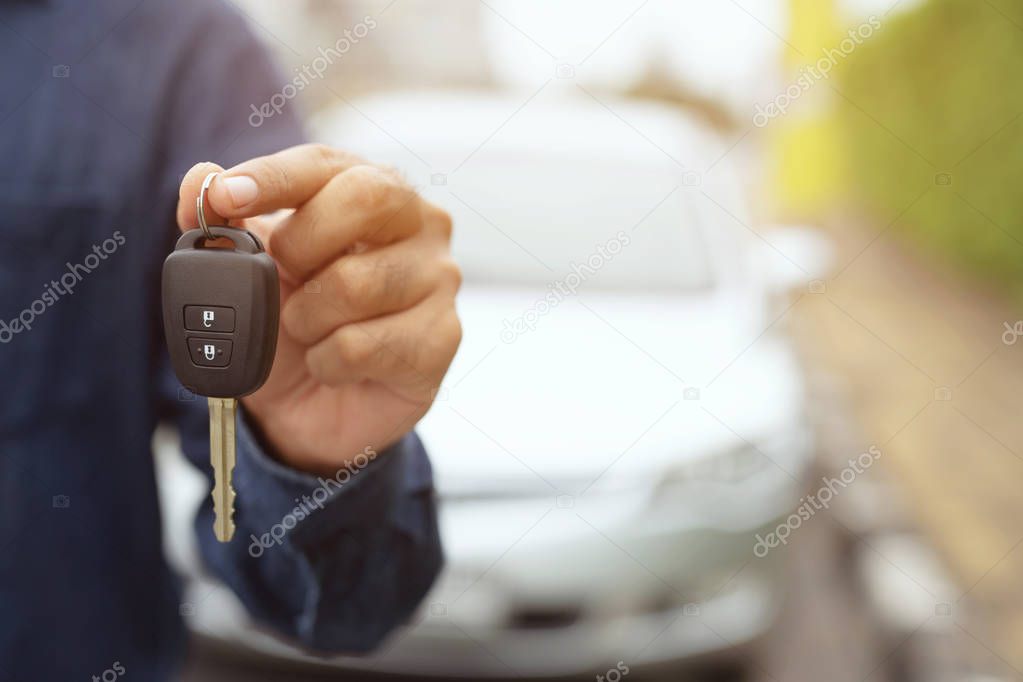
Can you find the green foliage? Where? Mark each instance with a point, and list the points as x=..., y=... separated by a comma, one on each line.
x=931, y=114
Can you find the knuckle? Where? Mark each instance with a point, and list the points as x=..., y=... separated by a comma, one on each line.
x=295, y=318
x=275, y=176
x=324, y=154
x=391, y=280
x=323, y=364
x=443, y=220
x=353, y=347
x=331, y=160
x=351, y=286
x=448, y=337
x=451, y=273
x=292, y=316
x=286, y=246
x=454, y=331
x=372, y=189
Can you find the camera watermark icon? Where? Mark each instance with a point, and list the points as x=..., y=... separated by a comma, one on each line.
x=186, y=609
x=943, y=179
x=313, y=287
x=690, y=393
x=438, y=179
x=564, y=501
x=438, y=609
x=1012, y=333
x=817, y=286
x=943, y=393
x=564, y=71
x=61, y=71
x=61, y=501
x=943, y=609
x=691, y=179
x=691, y=609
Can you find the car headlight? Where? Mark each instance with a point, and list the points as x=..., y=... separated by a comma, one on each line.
x=782, y=457
x=727, y=468
x=736, y=489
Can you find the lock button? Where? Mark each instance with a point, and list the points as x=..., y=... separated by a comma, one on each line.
x=209, y=318
x=209, y=352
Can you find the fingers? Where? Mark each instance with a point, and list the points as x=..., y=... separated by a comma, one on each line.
x=409, y=350
x=382, y=302
x=286, y=179
x=363, y=204
x=339, y=200
x=365, y=285
x=189, y=191
x=265, y=184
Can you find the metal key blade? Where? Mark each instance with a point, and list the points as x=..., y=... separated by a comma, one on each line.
x=222, y=441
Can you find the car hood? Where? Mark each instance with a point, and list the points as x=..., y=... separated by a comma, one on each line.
x=604, y=390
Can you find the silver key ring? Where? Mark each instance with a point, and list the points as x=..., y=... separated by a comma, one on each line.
x=200, y=205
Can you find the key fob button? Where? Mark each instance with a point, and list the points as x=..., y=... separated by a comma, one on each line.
x=209, y=318
x=209, y=352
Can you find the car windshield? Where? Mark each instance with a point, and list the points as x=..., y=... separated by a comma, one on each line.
x=528, y=223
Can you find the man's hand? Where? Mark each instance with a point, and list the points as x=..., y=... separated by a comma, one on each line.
x=368, y=322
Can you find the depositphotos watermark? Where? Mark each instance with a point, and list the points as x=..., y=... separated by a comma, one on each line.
x=1012, y=332
x=110, y=674
x=614, y=674
x=567, y=286
x=814, y=73
x=314, y=70
x=65, y=286
x=811, y=504
x=309, y=503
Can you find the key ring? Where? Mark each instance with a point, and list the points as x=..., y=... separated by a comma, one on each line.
x=200, y=205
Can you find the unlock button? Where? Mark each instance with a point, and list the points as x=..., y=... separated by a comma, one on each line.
x=209, y=318
x=209, y=352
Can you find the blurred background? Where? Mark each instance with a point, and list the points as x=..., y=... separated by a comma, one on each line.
x=743, y=285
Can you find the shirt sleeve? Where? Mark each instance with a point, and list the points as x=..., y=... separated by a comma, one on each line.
x=333, y=563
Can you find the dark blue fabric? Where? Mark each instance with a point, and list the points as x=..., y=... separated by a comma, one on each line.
x=105, y=105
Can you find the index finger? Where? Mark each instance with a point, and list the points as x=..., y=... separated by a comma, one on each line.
x=286, y=179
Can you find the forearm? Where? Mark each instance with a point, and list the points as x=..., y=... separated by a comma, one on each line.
x=334, y=562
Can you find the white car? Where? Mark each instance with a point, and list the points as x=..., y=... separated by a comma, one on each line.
x=622, y=419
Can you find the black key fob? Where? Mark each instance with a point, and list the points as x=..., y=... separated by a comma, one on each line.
x=221, y=307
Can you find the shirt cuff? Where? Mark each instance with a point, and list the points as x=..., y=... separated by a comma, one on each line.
x=280, y=505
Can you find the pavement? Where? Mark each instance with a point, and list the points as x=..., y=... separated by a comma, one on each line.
x=931, y=375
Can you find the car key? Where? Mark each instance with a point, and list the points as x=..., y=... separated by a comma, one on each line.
x=221, y=307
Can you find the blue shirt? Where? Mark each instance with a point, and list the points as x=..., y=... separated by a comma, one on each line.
x=105, y=105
